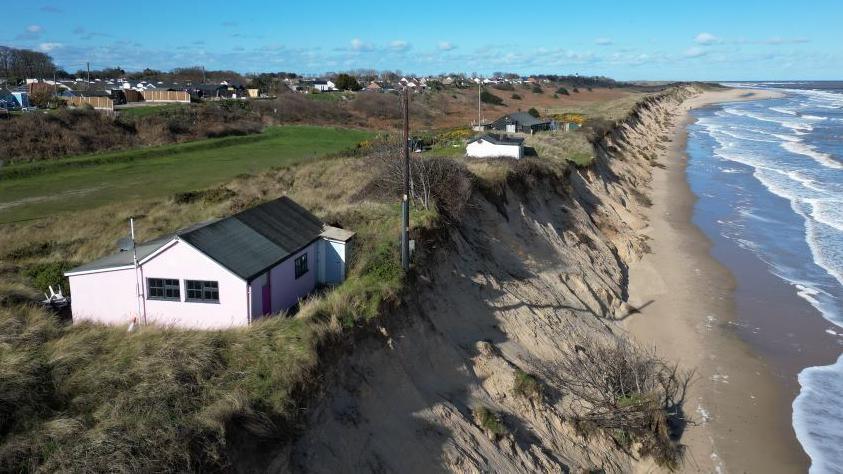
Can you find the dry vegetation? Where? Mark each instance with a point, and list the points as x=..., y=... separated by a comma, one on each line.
x=60, y=133
x=87, y=398
x=91, y=398
x=628, y=393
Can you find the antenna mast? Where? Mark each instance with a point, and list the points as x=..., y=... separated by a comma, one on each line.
x=141, y=311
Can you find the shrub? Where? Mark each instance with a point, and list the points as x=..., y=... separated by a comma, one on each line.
x=625, y=392
x=347, y=82
x=535, y=113
x=562, y=91
x=504, y=86
x=489, y=421
x=44, y=275
x=516, y=96
x=488, y=98
x=526, y=385
x=537, y=89
x=576, y=90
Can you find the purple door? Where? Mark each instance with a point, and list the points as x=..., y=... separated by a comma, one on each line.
x=267, y=299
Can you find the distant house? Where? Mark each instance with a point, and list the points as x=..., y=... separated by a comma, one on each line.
x=7, y=100
x=222, y=273
x=495, y=146
x=374, y=87
x=520, y=122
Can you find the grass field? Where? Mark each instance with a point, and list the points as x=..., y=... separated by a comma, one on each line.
x=90, y=181
x=151, y=109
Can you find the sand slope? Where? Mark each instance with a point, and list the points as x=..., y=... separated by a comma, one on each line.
x=542, y=257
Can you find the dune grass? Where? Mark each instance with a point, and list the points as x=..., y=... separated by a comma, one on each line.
x=37, y=190
x=89, y=398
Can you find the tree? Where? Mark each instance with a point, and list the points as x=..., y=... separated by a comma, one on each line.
x=562, y=91
x=347, y=82
x=535, y=113
x=19, y=64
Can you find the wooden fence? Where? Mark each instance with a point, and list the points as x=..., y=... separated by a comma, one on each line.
x=99, y=103
x=165, y=96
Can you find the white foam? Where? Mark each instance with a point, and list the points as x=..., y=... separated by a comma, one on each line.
x=810, y=151
x=818, y=416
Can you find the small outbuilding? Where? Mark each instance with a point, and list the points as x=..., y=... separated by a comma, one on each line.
x=520, y=122
x=495, y=146
x=224, y=273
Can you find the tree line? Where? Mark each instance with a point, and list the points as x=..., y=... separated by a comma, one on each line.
x=19, y=64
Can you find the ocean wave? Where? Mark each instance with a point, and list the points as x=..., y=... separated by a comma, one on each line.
x=783, y=110
x=810, y=151
x=818, y=416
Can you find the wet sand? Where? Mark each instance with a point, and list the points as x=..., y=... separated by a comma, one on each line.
x=741, y=414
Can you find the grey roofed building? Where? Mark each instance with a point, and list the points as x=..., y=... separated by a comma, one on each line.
x=247, y=243
x=498, y=139
x=520, y=122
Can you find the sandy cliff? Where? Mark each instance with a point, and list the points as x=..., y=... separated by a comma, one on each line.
x=530, y=262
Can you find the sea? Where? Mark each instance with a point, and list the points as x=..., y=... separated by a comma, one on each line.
x=768, y=175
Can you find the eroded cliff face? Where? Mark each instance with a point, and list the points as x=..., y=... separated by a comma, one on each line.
x=528, y=264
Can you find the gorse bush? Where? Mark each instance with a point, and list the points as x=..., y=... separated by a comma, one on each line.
x=488, y=98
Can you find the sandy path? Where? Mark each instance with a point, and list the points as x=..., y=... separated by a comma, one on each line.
x=686, y=303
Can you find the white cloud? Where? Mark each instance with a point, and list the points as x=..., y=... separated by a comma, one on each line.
x=706, y=38
x=399, y=45
x=34, y=29
x=603, y=41
x=695, y=52
x=446, y=46
x=358, y=45
x=47, y=47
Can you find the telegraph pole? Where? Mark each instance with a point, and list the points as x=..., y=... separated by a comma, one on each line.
x=405, y=203
x=88, y=84
x=479, y=95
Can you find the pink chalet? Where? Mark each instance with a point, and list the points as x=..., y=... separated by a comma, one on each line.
x=218, y=274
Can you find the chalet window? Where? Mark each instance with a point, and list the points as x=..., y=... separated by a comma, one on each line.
x=202, y=291
x=301, y=265
x=163, y=289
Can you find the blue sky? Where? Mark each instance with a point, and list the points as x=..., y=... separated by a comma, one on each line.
x=628, y=40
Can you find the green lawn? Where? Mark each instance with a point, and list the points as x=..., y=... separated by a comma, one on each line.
x=89, y=181
x=152, y=109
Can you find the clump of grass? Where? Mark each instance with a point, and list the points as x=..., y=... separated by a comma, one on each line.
x=489, y=421
x=526, y=385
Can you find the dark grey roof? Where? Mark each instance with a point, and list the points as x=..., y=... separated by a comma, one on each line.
x=499, y=139
x=247, y=243
x=256, y=239
x=522, y=118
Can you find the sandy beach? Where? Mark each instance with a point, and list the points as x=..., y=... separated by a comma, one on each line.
x=741, y=417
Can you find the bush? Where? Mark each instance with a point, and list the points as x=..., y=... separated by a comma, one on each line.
x=537, y=89
x=576, y=90
x=625, y=392
x=504, y=86
x=526, y=385
x=562, y=91
x=44, y=275
x=345, y=82
x=535, y=113
x=489, y=421
x=516, y=97
x=488, y=98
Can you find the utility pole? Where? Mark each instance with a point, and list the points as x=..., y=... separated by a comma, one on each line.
x=88, y=82
x=405, y=203
x=478, y=105
x=203, y=74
